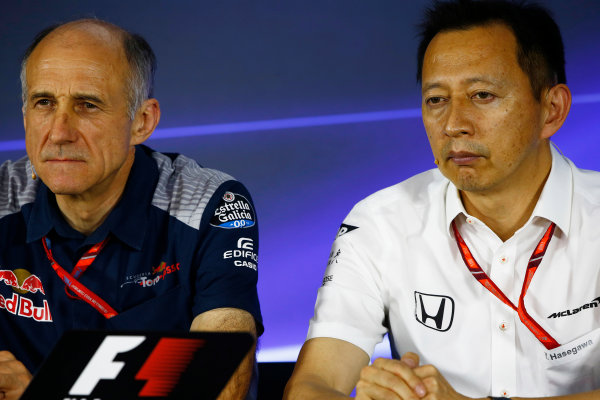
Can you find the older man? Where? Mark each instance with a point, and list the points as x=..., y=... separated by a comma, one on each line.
x=101, y=232
x=484, y=271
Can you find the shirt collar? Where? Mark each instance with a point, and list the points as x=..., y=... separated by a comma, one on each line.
x=127, y=221
x=454, y=206
x=554, y=203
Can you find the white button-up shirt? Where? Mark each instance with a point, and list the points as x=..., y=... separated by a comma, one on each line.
x=395, y=267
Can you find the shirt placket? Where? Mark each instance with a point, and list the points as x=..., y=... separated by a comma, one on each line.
x=503, y=322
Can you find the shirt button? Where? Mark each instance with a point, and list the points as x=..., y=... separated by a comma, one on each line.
x=505, y=393
x=503, y=260
x=470, y=221
x=503, y=326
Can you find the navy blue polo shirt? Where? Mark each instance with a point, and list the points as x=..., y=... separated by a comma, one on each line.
x=182, y=240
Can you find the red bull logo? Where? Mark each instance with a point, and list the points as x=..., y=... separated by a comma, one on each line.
x=29, y=283
x=33, y=285
x=9, y=278
x=22, y=282
x=23, y=307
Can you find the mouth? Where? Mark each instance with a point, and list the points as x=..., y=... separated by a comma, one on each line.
x=63, y=161
x=463, y=157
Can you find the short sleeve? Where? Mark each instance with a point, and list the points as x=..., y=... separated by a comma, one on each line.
x=349, y=303
x=227, y=258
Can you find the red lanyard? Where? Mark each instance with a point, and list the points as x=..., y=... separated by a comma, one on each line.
x=73, y=284
x=534, y=262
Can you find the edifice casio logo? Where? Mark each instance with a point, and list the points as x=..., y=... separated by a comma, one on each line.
x=244, y=255
x=434, y=311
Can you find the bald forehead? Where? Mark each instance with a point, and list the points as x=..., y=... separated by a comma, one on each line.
x=85, y=57
x=87, y=33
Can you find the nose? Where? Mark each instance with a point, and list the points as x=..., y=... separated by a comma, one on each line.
x=62, y=130
x=458, y=119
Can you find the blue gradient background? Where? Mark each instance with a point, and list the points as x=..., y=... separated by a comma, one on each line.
x=312, y=104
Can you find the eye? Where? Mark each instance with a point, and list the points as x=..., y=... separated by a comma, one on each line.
x=43, y=102
x=483, y=96
x=87, y=106
x=434, y=100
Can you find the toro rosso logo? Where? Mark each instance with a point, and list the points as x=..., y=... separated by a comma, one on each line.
x=22, y=282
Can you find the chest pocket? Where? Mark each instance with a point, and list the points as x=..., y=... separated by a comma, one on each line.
x=167, y=311
x=575, y=366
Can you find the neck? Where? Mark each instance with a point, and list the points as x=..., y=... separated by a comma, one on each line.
x=507, y=209
x=87, y=211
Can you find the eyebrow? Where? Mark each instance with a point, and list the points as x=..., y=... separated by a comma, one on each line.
x=430, y=86
x=477, y=79
x=77, y=96
x=88, y=97
x=40, y=95
x=482, y=79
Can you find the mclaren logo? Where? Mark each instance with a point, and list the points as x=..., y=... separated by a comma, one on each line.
x=434, y=311
x=592, y=304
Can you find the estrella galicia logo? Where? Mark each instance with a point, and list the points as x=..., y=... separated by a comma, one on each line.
x=234, y=211
x=345, y=229
x=434, y=311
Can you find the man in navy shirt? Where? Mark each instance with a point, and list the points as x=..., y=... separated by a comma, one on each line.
x=100, y=232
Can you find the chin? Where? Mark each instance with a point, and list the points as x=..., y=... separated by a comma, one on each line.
x=63, y=188
x=467, y=182
x=471, y=185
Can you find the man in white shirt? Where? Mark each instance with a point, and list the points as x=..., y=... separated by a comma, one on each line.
x=484, y=272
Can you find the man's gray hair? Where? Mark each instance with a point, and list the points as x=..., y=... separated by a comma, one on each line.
x=141, y=59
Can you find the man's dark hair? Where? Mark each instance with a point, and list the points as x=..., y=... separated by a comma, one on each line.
x=141, y=58
x=540, y=50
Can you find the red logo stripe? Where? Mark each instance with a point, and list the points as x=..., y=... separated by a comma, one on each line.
x=164, y=366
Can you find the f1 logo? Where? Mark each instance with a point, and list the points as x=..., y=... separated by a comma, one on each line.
x=245, y=243
x=434, y=311
x=102, y=364
x=174, y=352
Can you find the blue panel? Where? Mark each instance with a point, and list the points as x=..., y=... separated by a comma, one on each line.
x=312, y=104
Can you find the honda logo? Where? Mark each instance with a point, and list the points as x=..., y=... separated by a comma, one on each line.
x=434, y=311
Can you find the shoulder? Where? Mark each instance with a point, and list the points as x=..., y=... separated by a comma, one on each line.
x=409, y=198
x=177, y=168
x=408, y=209
x=586, y=184
x=184, y=188
x=16, y=186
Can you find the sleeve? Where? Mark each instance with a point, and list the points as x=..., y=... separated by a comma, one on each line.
x=227, y=258
x=350, y=302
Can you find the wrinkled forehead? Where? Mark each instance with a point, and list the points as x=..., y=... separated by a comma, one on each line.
x=83, y=58
x=85, y=37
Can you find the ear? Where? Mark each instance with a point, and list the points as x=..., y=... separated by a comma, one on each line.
x=557, y=103
x=145, y=121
